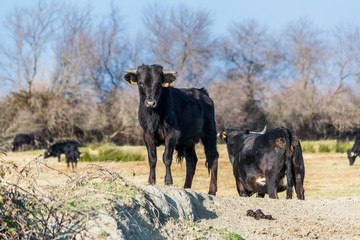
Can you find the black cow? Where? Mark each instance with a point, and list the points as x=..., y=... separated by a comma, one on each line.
x=354, y=152
x=260, y=161
x=177, y=118
x=72, y=157
x=60, y=147
x=298, y=168
x=23, y=139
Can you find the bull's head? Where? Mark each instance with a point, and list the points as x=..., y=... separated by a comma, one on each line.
x=47, y=153
x=222, y=135
x=150, y=80
x=230, y=132
x=351, y=156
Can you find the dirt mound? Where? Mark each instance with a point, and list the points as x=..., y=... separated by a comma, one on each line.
x=173, y=213
x=162, y=213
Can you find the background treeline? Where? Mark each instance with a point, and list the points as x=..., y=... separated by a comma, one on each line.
x=61, y=71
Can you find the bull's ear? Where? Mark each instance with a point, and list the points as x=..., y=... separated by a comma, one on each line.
x=168, y=78
x=131, y=78
x=222, y=136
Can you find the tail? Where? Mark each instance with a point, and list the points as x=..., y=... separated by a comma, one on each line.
x=212, y=156
x=180, y=154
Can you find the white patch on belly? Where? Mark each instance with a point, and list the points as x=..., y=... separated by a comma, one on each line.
x=283, y=182
x=261, y=181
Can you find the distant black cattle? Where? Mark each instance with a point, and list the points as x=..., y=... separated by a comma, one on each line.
x=72, y=157
x=61, y=147
x=261, y=161
x=178, y=118
x=23, y=139
x=354, y=152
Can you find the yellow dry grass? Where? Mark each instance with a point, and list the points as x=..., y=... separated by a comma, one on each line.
x=328, y=175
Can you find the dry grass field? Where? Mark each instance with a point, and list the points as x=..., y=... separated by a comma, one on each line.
x=330, y=211
x=327, y=175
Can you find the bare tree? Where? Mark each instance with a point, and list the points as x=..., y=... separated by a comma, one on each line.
x=228, y=96
x=306, y=52
x=300, y=103
x=31, y=30
x=112, y=54
x=180, y=39
x=342, y=100
x=251, y=58
x=84, y=70
x=346, y=57
x=74, y=46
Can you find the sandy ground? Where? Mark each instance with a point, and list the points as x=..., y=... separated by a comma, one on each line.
x=294, y=219
x=331, y=209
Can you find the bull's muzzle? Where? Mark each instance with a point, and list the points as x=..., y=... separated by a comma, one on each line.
x=150, y=103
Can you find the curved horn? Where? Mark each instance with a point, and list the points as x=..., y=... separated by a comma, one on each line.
x=262, y=132
x=130, y=71
x=169, y=72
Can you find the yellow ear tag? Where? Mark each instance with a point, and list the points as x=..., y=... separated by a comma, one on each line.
x=165, y=84
x=223, y=136
x=133, y=82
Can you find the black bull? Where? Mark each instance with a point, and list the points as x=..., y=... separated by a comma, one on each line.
x=177, y=118
x=61, y=147
x=354, y=152
x=262, y=162
x=23, y=139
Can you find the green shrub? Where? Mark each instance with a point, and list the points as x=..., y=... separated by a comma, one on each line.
x=233, y=236
x=343, y=147
x=308, y=147
x=326, y=146
x=108, y=153
x=229, y=235
x=323, y=148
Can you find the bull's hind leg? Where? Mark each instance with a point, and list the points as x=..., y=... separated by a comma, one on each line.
x=271, y=182
x=241, y=189
x=212, y=156
x=191, y=161
x=240, y=185
x=299, y=188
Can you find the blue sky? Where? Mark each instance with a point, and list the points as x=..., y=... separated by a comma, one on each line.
x=275, y=14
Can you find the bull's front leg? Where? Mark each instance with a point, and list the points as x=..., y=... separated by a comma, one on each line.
x=167, y=159
x=152, y=159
